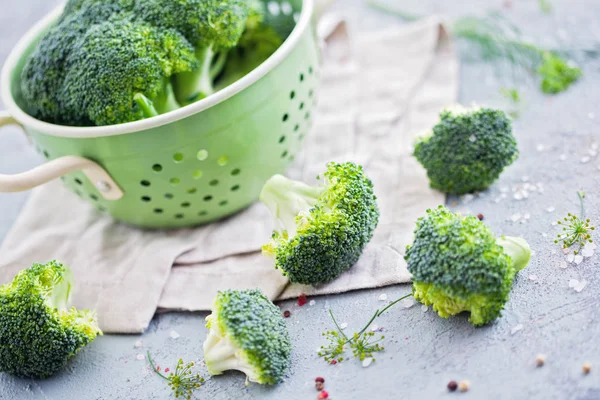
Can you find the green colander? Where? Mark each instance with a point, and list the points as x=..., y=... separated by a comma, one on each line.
x=190, y=166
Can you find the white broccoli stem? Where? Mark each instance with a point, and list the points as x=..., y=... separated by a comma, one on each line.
x=517, y=249
x=288, y=199
x=221, y=354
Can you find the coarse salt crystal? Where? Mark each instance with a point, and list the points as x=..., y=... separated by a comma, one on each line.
x=562, y=157
x=408, y=303
x=374, y=328
x=578, y=259
x=518, y=196
x=591, y=115
x=525, y=178
x=367, y=361
x=573, y=283
x=138, y=344
x=504, y=189
x=424, y=308
x=516, y=329
x=540, y=147
x=585, y=160
x=563, y=265
x=550, y=209
x=515, y=217
x=544, y=234
x=532, y=277
x=526, y=216
x=566, y=250
x=173, y=335
x=571, y=257
x=382, y=297
x=580, y=286
x=312, y=303
x=343, y=325
x=140, y=357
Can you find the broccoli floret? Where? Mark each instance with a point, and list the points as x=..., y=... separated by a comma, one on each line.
x=458, y=265
x=38, y=334
x=321, y=231
x=119, y=63
x=102, y=65
x=211, y=26
x=247, y=334
x=557, y=75
x=467, y=150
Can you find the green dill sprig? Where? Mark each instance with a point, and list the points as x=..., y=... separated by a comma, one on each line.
x=494, y=38
x=575, y=230
x=183, y=381
x=362, y=343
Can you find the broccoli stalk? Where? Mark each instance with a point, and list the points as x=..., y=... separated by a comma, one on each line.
x=163, y=103
x=38, y=333
x=458, y=265
x=247, y=333
x=320, y=231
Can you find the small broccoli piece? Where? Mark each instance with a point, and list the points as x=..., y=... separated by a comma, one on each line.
x=467, y=150
x=38, y=334
x=557, y=75
x=211, y=26
x=321, y=231
x=247, y=334
x=119, y=63
x=458, y=265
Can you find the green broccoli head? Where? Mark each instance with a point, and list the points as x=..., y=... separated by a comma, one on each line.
x=321, y=231
x=467, y=150
x=247, y=334
x=458, y=265
x=38, y=334
x=212, y=26
x=119, y=71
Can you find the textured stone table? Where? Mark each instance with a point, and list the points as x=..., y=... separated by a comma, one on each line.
x=423, y=352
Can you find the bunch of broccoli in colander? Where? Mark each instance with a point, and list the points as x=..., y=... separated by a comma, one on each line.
x=108, y=62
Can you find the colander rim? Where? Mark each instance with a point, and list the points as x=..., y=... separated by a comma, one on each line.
x=121, y=129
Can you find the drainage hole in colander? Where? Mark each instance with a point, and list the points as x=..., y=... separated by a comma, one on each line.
x=202, y=155
x=310, y=70
x=223, y=203
x=197, y=174
x=208, y=198
x=301, y=106
x=282, y=139
x=175, y=181
x=301, y=77
x=236, y=172
x=78, y=193
x=284, y=154
x=157, y=168
x=185, y=205
x=158, y=211
x=179, y=216
x=101, y=209
x=192, y=190
x=310, y=93
x=307, y=115
x=222, y=161
x=178, y=157
x=94, y=197
x=214, y=182
x=296, y=128
x=145, y=183
x=78, y=181
x=46, y=154
x=292, y=95
x=146, y=198
x=235, y=188
x=285, y=117
x=202, y=213
x=168, y=196
x=291, y=158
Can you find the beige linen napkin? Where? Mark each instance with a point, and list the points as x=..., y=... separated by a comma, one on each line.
x=376, y=93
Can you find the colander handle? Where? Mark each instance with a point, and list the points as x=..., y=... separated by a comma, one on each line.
x=57, y=168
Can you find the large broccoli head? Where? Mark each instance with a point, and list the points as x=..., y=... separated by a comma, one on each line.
x=467, y=150
x=119, y=71
x=247, y=334
x=458, y=265
x=321, y=231
x=38, y=334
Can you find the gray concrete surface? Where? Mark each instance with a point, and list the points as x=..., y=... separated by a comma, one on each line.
x=423, y=352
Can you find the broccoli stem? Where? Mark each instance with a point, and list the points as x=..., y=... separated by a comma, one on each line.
x=220, y=355
x=218, y=64
x=145, y=105
x=517, y=249
x=288, y=199
x=196, y=85
x=60, y=292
